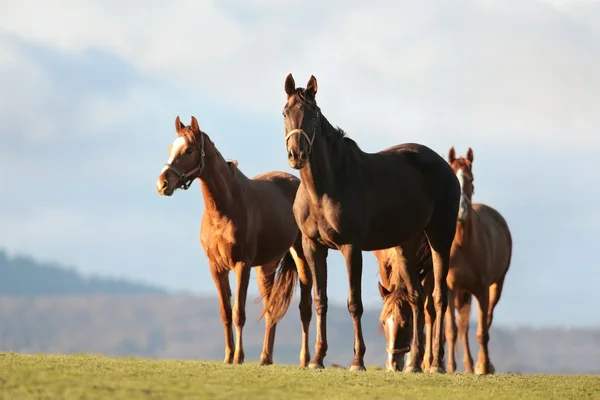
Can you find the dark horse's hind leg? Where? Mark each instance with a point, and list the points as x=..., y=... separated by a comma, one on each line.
x=305, y=306
x=316, y=257
x=353, y=256
x=440, y=233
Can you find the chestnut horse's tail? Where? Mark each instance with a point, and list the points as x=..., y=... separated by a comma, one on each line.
x=283, y=289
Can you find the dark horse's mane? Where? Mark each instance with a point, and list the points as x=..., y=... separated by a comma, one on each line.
x=333, y=134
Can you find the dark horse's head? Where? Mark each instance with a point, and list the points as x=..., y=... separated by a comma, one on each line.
x=301, y=120
x=462, y=167
x=186, y=159
x=396, y=321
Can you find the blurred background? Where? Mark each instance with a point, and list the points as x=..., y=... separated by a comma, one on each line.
x=92, y=259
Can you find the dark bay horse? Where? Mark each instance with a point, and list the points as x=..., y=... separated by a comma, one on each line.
x=246, y=223
x=401, y=334
x=479, y=260
x=355, y=201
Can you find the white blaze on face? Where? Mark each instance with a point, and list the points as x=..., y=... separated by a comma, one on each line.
x=391, y=337
x=177, y=144
x=461, y=179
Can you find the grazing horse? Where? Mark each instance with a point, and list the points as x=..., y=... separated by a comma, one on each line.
x=396, y=318
x=355, y=201
x=246, y=223
x=479, y=260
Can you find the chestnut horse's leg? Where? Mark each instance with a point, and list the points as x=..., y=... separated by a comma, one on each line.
x=265, y=277
x=221, y=278
x=483, y=335
x=305, y=306
x=464, y=313
x=451, y=331
x=242, y=276
x=354, y=263
x=429, y=321
x=406, y=263
x=495, y=293
x=316, y=257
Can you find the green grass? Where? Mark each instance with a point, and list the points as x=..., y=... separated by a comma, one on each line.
x=98, y=377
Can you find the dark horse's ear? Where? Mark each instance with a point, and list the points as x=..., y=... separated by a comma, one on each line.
x=194, y=124
x=178, y=125
x=290, y=85
x=311, y=88
x=470, y=155
x=452, y=155
x=383, y=291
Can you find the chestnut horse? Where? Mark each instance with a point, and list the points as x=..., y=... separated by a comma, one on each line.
x=246, y=223
x=355, y=201
x=479, y=261
x=404, y=336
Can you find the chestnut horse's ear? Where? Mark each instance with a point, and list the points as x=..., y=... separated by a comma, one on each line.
x=382, y=290
x=178, y=125
x=290, y=85
x=452, y=155
x=470, y=155
x=194, y=124
x=311, y=88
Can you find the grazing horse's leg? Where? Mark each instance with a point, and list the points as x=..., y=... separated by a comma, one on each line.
x=265, y=277
x=406, y=264
x=221, y=278
x=353, y=256
x=451, y=332
x=440, y=254
x=464, y=313
x=429, y=321
x=316, y=257
x=483, y=335
x=305, y=305
x=242, y=276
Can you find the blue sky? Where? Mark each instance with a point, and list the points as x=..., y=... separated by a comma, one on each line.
x=90, y=91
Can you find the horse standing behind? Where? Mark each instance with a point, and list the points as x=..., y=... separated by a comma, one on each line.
x=480, y=258
x=246, y=223
x=354, y=201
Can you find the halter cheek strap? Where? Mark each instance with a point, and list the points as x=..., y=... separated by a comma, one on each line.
x=185, y=180
x=301, y=132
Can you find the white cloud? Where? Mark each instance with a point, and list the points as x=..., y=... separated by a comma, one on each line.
x=488, y=72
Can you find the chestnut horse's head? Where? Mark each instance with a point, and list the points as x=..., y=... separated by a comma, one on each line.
x=186, y=159
x=301, y=120
x=396, y=320
x=462, y=167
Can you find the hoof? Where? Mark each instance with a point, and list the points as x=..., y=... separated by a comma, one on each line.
x=228, y=360
x=238, y=360
x=315, y=366
x=412, y=369
x=265, y=362
x=357, y=368
x=437, y=370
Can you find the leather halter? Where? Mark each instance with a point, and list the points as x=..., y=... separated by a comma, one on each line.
x=185, y=180
x=301, y=131
x=402, y=350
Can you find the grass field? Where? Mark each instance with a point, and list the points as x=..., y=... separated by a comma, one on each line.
x=97, y=377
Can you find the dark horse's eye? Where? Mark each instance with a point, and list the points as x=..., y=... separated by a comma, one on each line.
x=189, y=150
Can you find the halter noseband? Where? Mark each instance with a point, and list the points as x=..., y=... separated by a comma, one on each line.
x=402, y=350
x=301, y=131
x=185, y=180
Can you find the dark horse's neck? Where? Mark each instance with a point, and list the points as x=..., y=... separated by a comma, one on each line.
x=219, y=186
x=325, y=162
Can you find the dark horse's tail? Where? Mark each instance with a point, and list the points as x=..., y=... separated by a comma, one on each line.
x=424, y=260
x=283, y=289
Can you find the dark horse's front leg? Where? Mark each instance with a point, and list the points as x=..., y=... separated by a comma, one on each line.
x=316, y=258
x=354, y=261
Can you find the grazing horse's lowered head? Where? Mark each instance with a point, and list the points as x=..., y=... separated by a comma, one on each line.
x=396, y=321
x=186, y=159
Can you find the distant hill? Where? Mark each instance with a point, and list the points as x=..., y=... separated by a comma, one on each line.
x=22, y=276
